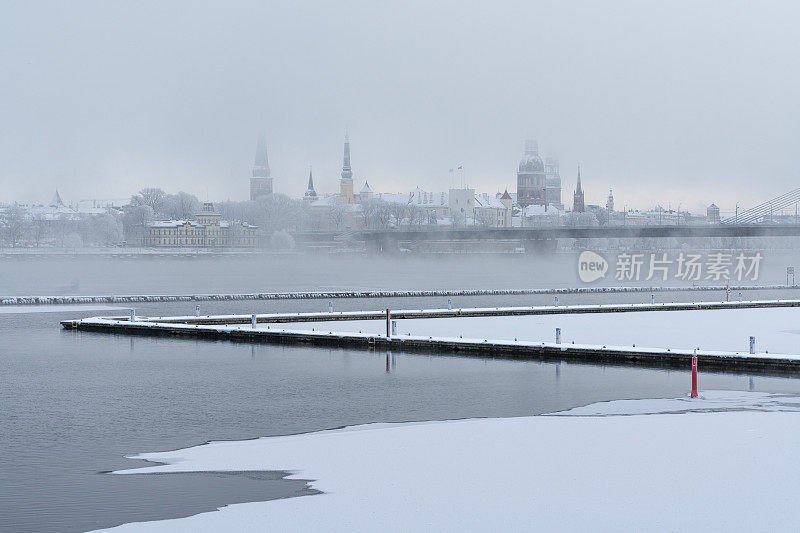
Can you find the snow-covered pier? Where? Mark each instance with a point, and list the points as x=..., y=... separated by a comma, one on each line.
x=488, y=340
x=332, y=295
x=467, y=312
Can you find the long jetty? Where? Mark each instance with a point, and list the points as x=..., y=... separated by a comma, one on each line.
x=463, y=312
x=244, y=328
x=332, y=295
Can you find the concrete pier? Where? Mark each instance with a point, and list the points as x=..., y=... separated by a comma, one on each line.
x=239, y=328
x=469, y=312
x=133, y=298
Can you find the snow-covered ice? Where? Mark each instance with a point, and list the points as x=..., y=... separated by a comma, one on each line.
x=690, y=469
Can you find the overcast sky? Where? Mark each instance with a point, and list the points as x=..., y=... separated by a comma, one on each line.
x=670, y=102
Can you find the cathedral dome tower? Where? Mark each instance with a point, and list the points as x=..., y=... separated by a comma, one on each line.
x=531, y=182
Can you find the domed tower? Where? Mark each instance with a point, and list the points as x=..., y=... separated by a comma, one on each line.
x=531, y=181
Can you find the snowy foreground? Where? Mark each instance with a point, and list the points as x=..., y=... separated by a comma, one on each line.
x=728, y=461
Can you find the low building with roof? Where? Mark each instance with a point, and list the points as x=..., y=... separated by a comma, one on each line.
x=207, y=230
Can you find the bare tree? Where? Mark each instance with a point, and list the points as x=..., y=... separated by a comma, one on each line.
x=16, y=223
x=398, y=212
x=279, y=212
x=336, y=217
x=417, y=216
x=152, y=197
x=181, y=206
x=105, y=230
x=369, y=213
x=38, y=229
x=383, y=216
x=135, y=220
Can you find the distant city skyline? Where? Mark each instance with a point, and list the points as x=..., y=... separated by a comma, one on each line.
x=261, y=168
x=682, y=104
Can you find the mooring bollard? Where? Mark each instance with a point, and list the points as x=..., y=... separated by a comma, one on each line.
x=394, y=327
x=133, y=315
x=197, y=310
x=558, y=335
x=253, y=321
x=752, y=344
x=388, y=318
x=694, y=374
x=449, y=304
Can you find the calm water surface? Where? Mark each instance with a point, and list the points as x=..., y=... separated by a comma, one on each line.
x=74, y=404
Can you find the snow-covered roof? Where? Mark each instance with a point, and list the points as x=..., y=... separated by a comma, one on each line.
x=486, y=201
x=325, y=202
x=417, y=197
x=539, y=210
x=174, y=224
x=365, y=188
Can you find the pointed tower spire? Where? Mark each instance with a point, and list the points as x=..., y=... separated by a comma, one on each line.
x=310, y=194
x=261, y=165
x=56, y=201
x=578, y=205
x=347, y=172
x=260, y=182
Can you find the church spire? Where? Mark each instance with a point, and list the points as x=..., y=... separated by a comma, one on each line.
x=578, y=205
x=347, y=173
x=56, y=201
x=261, y=166
x=310, y=192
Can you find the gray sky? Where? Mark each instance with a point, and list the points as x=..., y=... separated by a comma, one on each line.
x=674, y=102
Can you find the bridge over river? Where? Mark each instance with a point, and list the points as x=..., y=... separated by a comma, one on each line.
x=540, y=239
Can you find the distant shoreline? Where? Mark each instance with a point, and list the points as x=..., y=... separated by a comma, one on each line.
x=129, y=251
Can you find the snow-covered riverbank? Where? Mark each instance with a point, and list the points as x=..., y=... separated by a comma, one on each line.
x=684, y=465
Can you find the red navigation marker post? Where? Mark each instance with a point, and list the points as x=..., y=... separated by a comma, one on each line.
x=694, y=375
x=388, y=317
